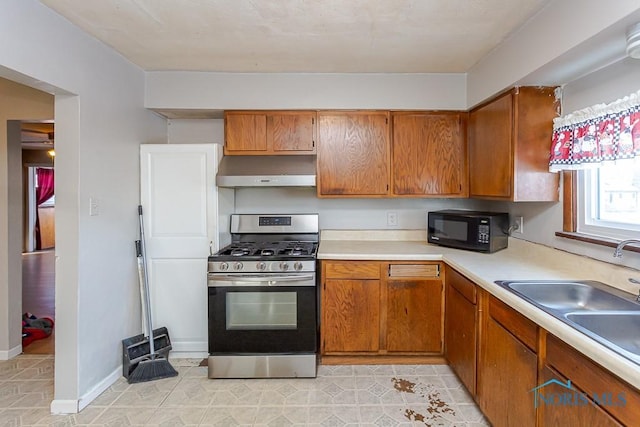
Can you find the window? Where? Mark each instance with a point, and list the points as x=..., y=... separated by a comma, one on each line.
x=608, y=200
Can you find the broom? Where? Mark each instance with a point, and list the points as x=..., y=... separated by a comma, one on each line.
x=155, y=366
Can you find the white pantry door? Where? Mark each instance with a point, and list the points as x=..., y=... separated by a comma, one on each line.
x=179, y=206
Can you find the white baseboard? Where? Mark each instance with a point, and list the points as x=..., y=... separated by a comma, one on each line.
x=189, y=347
x=10, y=354
x=187, y=355
x=99, y=388
x=60, y=406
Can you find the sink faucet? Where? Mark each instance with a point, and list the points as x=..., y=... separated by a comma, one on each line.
x=618, y=252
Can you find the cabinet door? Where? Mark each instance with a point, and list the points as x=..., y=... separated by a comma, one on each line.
x=429, y=154
x=245, y=132
x=353, y=153
x=491, y=149
x=291, y=132
x=574, y=412
x=460, y=333
x=179, y=202
x=414, y=315
x=507, y=372
x=618, y=398
x=350, y=316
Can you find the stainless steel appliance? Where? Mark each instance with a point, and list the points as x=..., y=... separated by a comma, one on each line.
x=262, y=297
x=471, y=230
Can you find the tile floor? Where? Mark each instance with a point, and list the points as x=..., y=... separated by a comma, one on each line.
x=399, y=395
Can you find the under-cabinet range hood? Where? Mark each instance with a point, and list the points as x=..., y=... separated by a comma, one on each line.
x=267, y=171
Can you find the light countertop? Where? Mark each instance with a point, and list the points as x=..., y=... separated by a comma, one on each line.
x=520, y=261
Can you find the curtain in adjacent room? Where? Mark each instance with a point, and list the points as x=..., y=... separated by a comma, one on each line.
x=44, y=191
x=597, y=134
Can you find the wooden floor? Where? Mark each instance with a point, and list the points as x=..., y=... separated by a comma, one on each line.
x=38, y=294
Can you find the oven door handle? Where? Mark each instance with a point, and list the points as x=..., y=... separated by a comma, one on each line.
x=218, y=280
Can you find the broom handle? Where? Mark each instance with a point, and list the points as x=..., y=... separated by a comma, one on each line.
x=146, y=285
x=138, y=245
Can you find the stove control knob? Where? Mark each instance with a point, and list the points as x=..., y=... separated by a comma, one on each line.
x=237, y=266
x=284, y=266
x=297, y=266
x=261, y=266
x=224, y=266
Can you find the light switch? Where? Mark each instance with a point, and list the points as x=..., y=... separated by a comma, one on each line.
x=94, y=206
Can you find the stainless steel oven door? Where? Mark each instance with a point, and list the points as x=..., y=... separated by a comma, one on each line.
x=262, y=314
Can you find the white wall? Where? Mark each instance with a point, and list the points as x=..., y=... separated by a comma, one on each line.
x=556, y=32
x=225, y=91
x=344, y=214
x=100, y=121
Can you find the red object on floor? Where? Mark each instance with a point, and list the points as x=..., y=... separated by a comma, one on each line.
x=29, y=335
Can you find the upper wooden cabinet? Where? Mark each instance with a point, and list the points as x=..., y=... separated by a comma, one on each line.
x=270, y=132
x=353, y=153
x=509, y=139
x=429, y=152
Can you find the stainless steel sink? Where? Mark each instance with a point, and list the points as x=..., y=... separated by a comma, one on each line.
x=618, y=328
x=603, y=313
x=567, y=296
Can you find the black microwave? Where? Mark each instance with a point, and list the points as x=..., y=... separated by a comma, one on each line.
x=472, y=230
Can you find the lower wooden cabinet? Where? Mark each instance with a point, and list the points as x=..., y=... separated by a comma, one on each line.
x=618, y=402
x=414, y=312
x=507, y=366
x=351, y=316
x=567, y=407
x=461, y=327
x=377, y=308
x=397, y=309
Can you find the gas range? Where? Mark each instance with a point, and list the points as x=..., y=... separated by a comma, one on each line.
x=262, y=297
x=269, y=244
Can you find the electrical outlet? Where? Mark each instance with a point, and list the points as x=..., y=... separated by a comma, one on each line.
x=519, y=225
x=392, y=219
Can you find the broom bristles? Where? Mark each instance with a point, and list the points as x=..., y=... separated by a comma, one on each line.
x=151, y=369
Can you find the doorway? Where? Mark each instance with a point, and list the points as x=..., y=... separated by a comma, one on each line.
x=38, y=257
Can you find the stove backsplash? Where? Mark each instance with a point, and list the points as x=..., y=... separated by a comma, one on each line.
x=353, y=214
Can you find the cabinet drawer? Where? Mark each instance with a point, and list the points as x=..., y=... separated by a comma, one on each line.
x=592, y=378
x=463, y=285
x=414, y=270
x=351, y=270
x=518, y=325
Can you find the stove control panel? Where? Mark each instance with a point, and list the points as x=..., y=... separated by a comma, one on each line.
x=266, y=267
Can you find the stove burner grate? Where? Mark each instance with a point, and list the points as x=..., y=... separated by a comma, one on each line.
x=269, y=249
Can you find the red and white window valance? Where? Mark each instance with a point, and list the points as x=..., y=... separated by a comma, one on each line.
x=591, y=136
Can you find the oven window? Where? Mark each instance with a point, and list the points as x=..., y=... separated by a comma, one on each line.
x=261, y=310
x=448, y=229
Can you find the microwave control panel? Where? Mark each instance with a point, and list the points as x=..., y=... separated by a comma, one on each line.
x=483, y=233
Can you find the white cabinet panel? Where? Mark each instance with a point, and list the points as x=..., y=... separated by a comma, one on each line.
x=179, y=295
x=179, y=204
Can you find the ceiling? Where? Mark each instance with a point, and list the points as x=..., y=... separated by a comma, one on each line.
x=327, y=36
